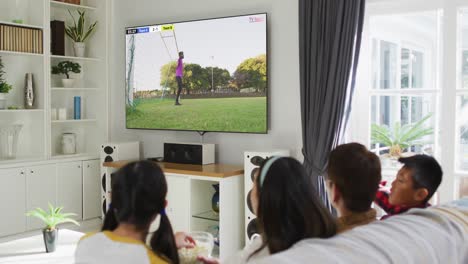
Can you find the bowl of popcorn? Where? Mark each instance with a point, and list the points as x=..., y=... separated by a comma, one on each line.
x=204, y=245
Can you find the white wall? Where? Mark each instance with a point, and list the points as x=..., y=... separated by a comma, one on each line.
x=284, y=123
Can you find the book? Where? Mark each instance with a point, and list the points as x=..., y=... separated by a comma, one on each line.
x=77, y=107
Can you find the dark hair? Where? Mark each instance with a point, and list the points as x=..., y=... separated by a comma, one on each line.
x=425, y=171
x=138, y=194
x=181, y=52
x=356, y=172
x=288, y=208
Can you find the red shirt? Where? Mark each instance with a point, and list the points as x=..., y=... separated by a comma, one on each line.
x=382, y=200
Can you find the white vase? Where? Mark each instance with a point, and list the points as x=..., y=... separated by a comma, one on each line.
x=3, y=100
x=79, y=48
x=67, y=83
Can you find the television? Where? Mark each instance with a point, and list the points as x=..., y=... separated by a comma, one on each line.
x=205, y=75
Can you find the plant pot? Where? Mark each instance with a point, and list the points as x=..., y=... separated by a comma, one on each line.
x=3, y=100
x=79, y=48
x=50, y=238
x=67, y=83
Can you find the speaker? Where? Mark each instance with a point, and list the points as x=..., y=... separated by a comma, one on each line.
x=114, y=151
x=189, y=153
x=252, y=162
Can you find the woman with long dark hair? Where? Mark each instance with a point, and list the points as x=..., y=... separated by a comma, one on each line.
x=287, y=208
x=138, y=196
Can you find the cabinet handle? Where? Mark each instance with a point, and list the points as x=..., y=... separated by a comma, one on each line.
x=32, y=171
x=22, y=172
x=88, y=166
x=79, y=166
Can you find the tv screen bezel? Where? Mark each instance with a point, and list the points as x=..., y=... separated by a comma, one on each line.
x=267, y=75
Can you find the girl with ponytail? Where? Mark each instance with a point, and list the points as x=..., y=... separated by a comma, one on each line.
x=138, y=196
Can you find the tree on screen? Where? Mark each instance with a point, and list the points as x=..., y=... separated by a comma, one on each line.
x=251, y=73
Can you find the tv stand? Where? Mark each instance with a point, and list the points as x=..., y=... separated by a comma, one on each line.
x=189, y=208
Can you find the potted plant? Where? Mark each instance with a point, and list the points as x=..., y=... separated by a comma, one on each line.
x=4, y=87
x=78, y=34
x=400, y=137
x=66, y=67
x=52, y=219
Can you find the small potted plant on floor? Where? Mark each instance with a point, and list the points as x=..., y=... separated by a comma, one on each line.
x=66, y=67
x=400, y=137
x=78, y=34
x=52, y=219
x=4, y=87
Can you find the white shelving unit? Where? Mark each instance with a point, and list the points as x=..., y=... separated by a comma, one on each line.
x=40, y=137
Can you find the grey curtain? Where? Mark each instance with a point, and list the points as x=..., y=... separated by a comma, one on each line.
x=329, y=41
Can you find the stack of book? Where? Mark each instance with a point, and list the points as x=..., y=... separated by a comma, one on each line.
x=20, y=39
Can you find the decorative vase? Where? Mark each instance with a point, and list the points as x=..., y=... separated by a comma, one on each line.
x=9, y=141
x=67, y=83
x=68, y=143
x=50, y=236
x=29, y=91
x=79, y=48
x=3, y=100
x=215, y=199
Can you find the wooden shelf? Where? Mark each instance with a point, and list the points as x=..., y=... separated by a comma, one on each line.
x=74, y=58
x=68, y=5
x=73, y=89
x=20, y=25
x=72, y=121
x=21, y=110
x=6, y=52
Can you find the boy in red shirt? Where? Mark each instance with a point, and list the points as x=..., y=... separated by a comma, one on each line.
x=414, y=185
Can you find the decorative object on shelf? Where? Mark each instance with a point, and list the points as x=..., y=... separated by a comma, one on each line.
x=75, y=2
x=62, y=114
x=53, y=113
x=29, y=91
x=4, y=87
x=20, y=39
x=215, y=199
x=9, y=140
x=57, y=35
x=401, y=137
x=66, y=67
x=19, y=11
x=77, y=107
x=52, y=218
x=68, y=143
x=77, y=33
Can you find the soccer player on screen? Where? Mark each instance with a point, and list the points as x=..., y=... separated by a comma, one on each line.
x=179, y=73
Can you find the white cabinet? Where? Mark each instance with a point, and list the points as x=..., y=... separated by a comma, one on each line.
x=178, y=202
x=12, y=201
x=91, y=189
x=40, y=191
x=69, y=188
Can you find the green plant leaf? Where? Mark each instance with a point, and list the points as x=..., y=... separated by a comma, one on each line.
x=53, y=217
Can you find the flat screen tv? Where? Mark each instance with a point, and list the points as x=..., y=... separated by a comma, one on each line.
x=206, y=75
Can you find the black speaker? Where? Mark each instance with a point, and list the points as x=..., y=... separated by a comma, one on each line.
x=198, y=154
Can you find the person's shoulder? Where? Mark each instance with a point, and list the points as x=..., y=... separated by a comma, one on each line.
x=155, y=259
x=88, y=235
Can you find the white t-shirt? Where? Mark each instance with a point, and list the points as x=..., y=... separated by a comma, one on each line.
x=243, y=255
x=107, y=247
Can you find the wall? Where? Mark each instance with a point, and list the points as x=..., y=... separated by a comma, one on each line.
x=284, y=128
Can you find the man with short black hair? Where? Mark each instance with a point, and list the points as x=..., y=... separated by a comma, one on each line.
x=353, y=177
x=179, y=74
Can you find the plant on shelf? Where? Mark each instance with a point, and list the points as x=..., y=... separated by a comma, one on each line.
x=401, y=137
x=78, y=34
x=66, y=67
x=4, y=86
x=52, y=218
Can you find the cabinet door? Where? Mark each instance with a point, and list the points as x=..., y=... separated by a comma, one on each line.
x=178, y=202
x=41, y=188
x=91, y=189
x=70, y=188
x=12, y=201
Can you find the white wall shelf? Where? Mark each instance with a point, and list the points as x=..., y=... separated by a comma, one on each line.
x=63, y=89
x=208, y=215
x=5, y=52
x=20, y=25
x=22, y=111
x=68, y=5
x=74, y=58
x=73, y=121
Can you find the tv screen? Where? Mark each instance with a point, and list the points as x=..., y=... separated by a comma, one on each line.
x=204, y=75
